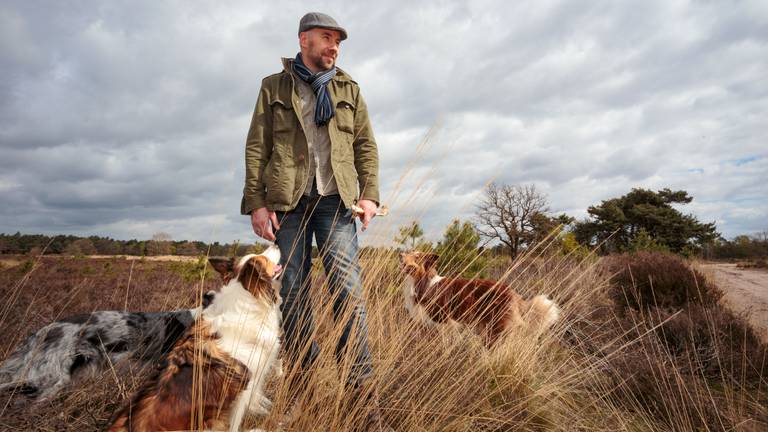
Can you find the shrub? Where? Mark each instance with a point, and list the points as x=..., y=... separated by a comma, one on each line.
x=646, y=279
x=710, y=341
x=193, y=271
x=569, y=246
x=26, y=266
x=459, y=253
x=756, y=264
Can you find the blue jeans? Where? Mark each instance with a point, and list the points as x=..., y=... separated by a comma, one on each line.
x=334, y=229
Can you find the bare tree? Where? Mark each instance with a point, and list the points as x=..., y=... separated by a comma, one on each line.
x=511, y=214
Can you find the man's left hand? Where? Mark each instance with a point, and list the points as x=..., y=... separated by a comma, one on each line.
x=369, y=211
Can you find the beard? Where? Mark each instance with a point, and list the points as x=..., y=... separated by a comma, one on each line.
x=315, y=57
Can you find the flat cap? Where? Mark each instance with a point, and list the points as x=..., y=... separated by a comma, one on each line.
x=317, y=19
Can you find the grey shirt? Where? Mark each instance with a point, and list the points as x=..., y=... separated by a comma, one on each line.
x=319, y=144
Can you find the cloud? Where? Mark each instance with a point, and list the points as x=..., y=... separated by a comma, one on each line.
x=128, y=118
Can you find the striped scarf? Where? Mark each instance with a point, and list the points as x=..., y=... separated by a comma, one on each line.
x=319, y=83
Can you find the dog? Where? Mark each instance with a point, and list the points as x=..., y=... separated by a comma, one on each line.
x=216, y=371
x=492, y=308
x=83, y=345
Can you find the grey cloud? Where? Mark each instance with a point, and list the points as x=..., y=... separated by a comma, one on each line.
x=129, y=117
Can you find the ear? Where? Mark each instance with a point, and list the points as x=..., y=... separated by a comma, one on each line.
x=224, y=266
x=253, y=275
x=257, y=270
x=252, y=272
x=430, y=260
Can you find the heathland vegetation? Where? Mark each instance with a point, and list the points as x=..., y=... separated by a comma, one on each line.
x=643, y=344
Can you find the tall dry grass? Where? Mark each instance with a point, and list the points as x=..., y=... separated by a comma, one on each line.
x=603, y=367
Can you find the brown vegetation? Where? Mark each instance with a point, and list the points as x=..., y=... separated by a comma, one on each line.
x=682, y=364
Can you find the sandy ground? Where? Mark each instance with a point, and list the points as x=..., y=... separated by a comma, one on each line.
x=745, y=292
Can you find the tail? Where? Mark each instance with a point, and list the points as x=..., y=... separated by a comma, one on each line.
x=543, y=312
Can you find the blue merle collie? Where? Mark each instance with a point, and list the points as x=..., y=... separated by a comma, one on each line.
x=82, y=345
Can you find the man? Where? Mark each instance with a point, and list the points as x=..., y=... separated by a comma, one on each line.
x=310, y=157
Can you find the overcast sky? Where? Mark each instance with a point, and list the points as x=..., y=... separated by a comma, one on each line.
x=127, y=118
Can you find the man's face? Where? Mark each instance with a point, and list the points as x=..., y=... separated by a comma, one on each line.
x=319, y=48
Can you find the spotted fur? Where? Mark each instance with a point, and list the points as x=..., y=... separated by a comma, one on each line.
x=216, y=372
x=63, y=351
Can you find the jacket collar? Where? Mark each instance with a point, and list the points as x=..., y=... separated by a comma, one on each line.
x=340, y=74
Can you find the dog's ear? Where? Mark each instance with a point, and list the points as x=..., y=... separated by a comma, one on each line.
x=254, y=274
x=258, y=268
x=430, y=260
x=224, y=266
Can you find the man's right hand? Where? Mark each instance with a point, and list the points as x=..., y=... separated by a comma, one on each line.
x=263, y=221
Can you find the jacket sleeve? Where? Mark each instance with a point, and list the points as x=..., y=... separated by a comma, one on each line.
x=366, y=153
x=258, y=150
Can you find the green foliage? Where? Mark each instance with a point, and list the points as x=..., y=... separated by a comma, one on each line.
x=644, y=242
x=412, y=232
x=193, y=271
x=26, y=266
x=570, y=246
x=616, y=224
x=459, y=253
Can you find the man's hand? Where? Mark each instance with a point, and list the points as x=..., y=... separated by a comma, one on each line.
x=263, y=221
x=369, y=211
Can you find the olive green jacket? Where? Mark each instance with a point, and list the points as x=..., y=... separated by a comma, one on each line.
x=276, y=151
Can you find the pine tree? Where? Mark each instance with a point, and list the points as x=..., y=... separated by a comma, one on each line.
x=459, y=252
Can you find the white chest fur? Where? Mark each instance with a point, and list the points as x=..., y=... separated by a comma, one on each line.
x=417, y=311
x=248, y=327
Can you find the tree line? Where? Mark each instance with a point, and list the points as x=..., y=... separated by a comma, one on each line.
x=508, y=220
x=516, y=218
x=159, y=244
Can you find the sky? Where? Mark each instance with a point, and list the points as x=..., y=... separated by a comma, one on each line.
x=128, y=118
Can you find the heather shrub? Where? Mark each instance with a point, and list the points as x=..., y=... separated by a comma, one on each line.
x=685, y=368
x=672, y=351
x=711, y=342
x=646, y=279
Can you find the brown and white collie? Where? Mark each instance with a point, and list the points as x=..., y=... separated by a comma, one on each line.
x=491, y=308
x=216, y=371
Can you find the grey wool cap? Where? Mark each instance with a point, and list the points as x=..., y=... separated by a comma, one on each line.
x=317, y=19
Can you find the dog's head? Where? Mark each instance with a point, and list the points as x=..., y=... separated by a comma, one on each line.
x=418, y=264
x=254, y=272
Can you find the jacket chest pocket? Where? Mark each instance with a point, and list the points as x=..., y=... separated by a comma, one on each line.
x=345, y=116
x=285, y=127
x=284, y=120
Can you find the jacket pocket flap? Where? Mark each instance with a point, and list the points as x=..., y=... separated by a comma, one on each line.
x=345, y=103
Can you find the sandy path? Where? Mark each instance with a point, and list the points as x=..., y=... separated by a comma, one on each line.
x=745, y=293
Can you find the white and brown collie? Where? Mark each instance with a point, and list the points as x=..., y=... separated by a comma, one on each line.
x=216, y=371
x=492, y=308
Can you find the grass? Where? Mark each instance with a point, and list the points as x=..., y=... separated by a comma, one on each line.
x=608, y=365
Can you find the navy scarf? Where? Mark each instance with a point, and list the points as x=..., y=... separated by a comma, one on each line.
x=319, y=83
